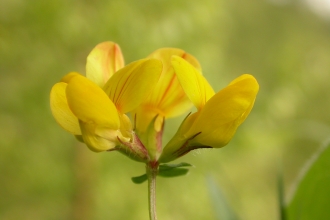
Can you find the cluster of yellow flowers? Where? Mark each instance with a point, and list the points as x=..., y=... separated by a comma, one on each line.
x=163, y=85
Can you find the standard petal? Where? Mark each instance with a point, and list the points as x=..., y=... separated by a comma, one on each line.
x=90, y=103
x=61, y=111
x=143, y=115
x=103, y=61
x=168, y=96
x=130, y=85
x=224, y=112
x=167, y=99
x=165, y=54
x=192, y=81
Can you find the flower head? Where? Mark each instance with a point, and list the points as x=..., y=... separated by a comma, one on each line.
x=96, y=111
x=218, y=115
x=165, y=84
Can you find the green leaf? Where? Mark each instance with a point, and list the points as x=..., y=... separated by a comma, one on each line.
x=174, y=172
x=166, y=170
x=139, y=179
x=280, y=189
x=222, y=209
x=167, y=166
x=311, y=199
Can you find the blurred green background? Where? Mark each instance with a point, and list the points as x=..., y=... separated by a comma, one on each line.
x=47, y=174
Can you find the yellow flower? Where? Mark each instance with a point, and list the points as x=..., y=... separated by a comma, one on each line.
x=218, y=115
x=94, y=107
x=166, y=100
x=165, y=84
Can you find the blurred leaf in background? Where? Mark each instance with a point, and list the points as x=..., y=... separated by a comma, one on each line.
x=310, y=199
x=46, y=174
x=221, y=206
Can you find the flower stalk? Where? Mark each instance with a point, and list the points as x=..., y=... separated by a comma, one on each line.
x=152, y=170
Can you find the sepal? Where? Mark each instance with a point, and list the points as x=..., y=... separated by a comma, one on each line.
x=177, y=146
x=79, y=138
x=134, y=149
x=180, y=146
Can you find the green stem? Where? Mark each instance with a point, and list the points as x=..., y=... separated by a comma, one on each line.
x=152, y=170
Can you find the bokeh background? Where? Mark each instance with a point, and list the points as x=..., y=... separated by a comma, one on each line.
x=46, y=174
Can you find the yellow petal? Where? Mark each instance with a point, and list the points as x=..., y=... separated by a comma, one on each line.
x=168, y=96
x=143, y=115
x=103, y=61
x=192, y=81
x=179, y=140
x=165, y=54
x=130, y=85
x=69, y=76
x=224, y=112
x=252, y=79
x=125, y=126
x=241, y=78
x=90, y=103
x=99, y=138
x=61, y=111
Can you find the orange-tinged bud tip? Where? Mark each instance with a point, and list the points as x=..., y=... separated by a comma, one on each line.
x=103, y=61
